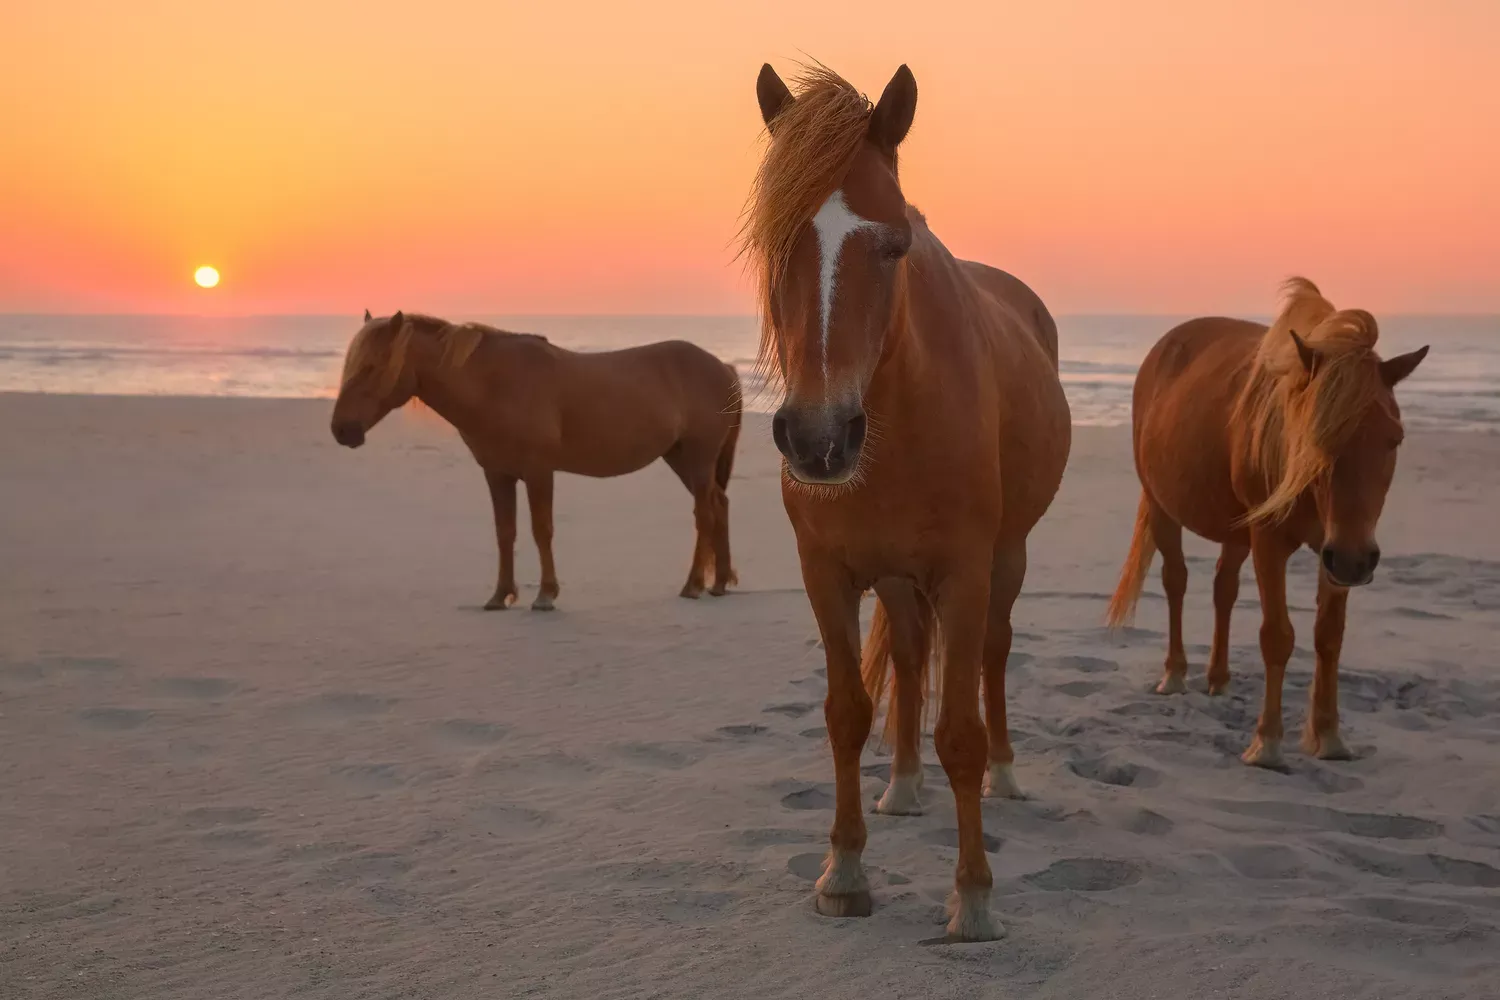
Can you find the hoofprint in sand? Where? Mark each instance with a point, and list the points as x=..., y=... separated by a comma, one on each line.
x=259, y=740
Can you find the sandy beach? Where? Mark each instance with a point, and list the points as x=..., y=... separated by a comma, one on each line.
x=257, y=739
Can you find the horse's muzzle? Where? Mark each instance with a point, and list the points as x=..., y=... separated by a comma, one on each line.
x=821, y=446
x=350, y=435
x=1350, y=568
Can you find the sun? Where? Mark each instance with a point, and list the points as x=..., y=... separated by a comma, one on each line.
x=206, y=277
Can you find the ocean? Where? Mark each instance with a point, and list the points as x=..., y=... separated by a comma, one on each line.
x=1456, y=388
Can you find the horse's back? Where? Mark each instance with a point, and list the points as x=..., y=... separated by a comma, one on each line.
x=1182, y=412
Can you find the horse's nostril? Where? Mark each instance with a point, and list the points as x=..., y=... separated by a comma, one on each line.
x=779, y=434
x=1374, y=558
x=1328, y=559
x=855, y=432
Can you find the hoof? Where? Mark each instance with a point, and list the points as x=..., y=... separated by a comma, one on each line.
x=843, y=890
x=1000, y=783
x=1264, y=753
x=692, y=591
x=854, y=904
x=718, y=590
x=1218, y=686
x=500, y=601
x=901, y=798
x=969, y=917
x=1328, y=746
x=1172, y=683
x=543, y=602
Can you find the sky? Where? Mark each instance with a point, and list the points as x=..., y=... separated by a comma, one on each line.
x=503, y=157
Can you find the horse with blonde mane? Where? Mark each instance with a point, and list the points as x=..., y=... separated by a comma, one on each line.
x=1264, y=440
x=924, y=432
x=527, y=409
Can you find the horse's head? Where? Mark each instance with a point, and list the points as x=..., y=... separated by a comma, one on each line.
x=376, y=378
x=1360, y=448
x=829, y=225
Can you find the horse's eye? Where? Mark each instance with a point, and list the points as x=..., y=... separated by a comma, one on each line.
x=893, y=251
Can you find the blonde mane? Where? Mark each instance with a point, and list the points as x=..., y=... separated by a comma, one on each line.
x=816, y=140
x=1297, y=422
x=387, y=355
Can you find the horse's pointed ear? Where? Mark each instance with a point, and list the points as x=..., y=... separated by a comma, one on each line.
x=368, y=317
x=773, y=95
x=1393, y=370
x=398, y=321
x=891, y=119
x=1307, y=354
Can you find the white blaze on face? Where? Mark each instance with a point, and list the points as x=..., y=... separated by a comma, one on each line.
x=833, y=224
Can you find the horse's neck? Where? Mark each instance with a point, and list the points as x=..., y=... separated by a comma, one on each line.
x=446, y=389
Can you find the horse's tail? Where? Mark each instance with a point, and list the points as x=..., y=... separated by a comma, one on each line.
x=875, y=663
x=725, y=465
x=1137, y=562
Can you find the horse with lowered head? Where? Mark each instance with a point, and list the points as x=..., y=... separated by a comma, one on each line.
x=527, y=409
x=924, y=433
x=1264, y=440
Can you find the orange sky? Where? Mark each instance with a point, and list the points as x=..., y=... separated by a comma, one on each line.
x=501, y=157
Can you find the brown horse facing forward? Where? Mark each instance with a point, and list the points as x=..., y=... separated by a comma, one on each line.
x=1265, y=440
x=527, y=409
x=924, y=432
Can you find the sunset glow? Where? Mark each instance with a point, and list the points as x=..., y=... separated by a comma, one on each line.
x=466, y=157
x=206, y=277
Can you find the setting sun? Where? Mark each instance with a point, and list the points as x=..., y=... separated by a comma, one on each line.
x=206, y=277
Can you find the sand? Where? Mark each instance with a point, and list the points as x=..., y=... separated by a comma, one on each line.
x=258, y=740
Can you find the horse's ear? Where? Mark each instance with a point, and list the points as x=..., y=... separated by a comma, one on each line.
x=368, y=317
x=398, y=321
x=1393, y=370
x=1307, y=354
x=773, y=95
x=891, y=119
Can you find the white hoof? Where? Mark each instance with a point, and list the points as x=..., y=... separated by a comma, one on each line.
x=843, y=890
x=1000, y=783
x=969, y=917
x=1328, y=746
x=1264, y=753
x=901, y=796
x=543, y=602
x=1172, y=684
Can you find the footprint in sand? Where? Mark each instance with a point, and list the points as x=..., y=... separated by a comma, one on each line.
x=201, y=688
x=1436, y=868
x=1120, y=773
x=341, y=706
x=471, y=732
x=948, y=837
x=1084, y=664
x=792, y=710
x=815, y=733
x=370, y=779
x=814, y=797
x=1414, y=912
x=1382, y=826
x=206, y=816
x=1085, y=875
x=1079, y=689
x=806, y=866
x=1148, y=823
x=114, y=719
x=743, y=731
x=775, y=836
x=665, y=756
x=366, y=866
x=1266, y=862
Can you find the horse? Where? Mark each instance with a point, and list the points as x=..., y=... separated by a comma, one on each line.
x=1265, y=439
x=527, y=409
x=923, y=432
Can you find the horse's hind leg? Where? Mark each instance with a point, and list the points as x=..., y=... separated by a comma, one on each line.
x=1174, y=575
x=539, y=499
x=1005, y=585
x=910, y=623
x=697, y=476
x=1226, y=592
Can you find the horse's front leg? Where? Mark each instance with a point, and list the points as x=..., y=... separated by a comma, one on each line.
x=842, y=890
x=539, y=499
x=1321, y=737
x=503, y=499
x=1270, y=553
x=962, y=602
